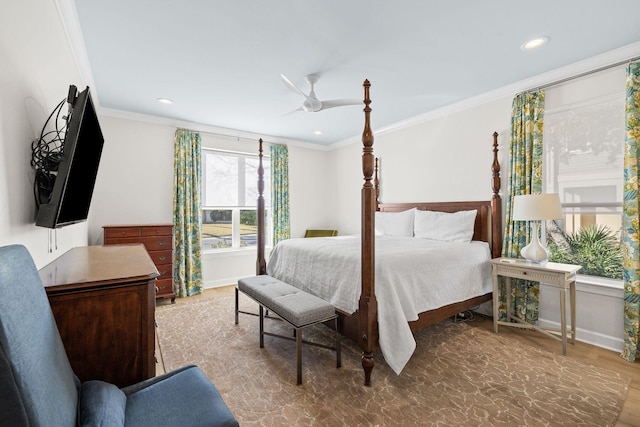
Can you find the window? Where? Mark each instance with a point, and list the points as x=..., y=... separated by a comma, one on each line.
x=583, y=162
x=229, y=199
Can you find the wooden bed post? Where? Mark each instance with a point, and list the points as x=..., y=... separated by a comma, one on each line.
x=368, y=306
x=496, y=204
x=261, y=264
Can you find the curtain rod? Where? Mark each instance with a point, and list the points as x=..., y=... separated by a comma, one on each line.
x=577, y=76
x=235, y=138
x=234, y=134
x=239, y=138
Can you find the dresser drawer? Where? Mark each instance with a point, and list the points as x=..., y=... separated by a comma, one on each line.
x=161, y=257
x=157, y=240
x=160, y=243
x=165, y=287
x=165, y=270
x=118, y=232
x=160, y=230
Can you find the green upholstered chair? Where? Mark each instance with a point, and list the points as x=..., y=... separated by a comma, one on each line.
x=321, y=233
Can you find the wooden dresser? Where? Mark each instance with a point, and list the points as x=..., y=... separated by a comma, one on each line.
x=103, y=300
x=158, y=240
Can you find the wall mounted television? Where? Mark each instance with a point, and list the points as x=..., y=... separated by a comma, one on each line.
x=70, y=198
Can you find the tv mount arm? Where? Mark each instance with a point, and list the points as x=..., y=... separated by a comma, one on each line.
x=71, y=98
x=46, y=151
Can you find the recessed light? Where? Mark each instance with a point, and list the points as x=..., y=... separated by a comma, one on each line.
x=318, y=132
x=165, y=101
x=534, y=43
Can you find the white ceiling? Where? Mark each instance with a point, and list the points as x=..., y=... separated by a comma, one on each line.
x=220, y=61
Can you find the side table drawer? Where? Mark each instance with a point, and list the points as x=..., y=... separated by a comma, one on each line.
x=536, y=276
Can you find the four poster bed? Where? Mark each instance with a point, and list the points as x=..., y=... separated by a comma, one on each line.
x=402, y=303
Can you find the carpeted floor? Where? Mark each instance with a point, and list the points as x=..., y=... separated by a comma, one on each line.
x=459, y=376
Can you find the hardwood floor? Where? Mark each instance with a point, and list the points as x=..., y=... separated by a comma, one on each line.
x=597, y=356
x=630, y=415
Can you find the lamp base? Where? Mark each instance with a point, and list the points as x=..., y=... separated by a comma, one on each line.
x=535, y=251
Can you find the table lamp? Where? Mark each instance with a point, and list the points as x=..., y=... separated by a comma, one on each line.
x=536, y=208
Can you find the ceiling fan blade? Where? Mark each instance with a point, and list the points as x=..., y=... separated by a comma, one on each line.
x=293, y=111
x=339, y=103
x=291, y=85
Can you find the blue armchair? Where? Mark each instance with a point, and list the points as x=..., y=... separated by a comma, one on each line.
x=39, y=388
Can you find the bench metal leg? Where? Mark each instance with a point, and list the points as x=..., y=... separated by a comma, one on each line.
x=263, y=312
x=236, y=305
x=261, y=327
x=238, y=311
x=338, y=349
x=299, y=354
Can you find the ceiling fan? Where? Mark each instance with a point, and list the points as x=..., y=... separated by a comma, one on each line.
x=311, y=103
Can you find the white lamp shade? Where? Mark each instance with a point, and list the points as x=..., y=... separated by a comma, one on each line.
x=535, y=207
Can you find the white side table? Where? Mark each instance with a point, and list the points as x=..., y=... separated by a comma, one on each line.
x=562, y=276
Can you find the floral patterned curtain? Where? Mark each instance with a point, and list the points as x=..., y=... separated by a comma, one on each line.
x=280, y=192
x=525, y=177
x=630, y=217
x=187, y=214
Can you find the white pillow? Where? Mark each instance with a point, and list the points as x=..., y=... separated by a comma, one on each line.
x=395, y=223
x=444, y=226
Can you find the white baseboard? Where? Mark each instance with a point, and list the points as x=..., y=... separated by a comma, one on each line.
x=583, y=335
x=210, y=284
x=589, y=337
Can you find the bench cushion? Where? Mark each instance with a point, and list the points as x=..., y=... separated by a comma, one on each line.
x=297, y=307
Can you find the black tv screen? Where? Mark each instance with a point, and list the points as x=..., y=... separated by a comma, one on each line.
x=73, y=187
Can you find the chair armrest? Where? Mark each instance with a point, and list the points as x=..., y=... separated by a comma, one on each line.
x=151, y=381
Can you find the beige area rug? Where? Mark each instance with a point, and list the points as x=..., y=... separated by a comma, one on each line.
x=459, y=376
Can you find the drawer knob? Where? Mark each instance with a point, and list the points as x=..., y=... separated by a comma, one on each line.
x=162, y=258
x=163, y=243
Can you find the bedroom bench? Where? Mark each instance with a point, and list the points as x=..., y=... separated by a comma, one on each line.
x=298, y=308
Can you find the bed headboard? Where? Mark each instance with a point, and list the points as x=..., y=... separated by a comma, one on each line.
x=488, y=225
x=482, y=227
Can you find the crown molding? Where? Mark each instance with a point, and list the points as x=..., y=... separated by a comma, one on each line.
x=71, y=24
x=594, y=63
x=204, y=128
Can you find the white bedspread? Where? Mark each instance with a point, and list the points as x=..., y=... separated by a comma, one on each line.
x=412, y=275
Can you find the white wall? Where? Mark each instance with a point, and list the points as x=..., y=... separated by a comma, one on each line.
x=36, y=70
x=445, y=159
x=309, y=192
x=135, y=178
